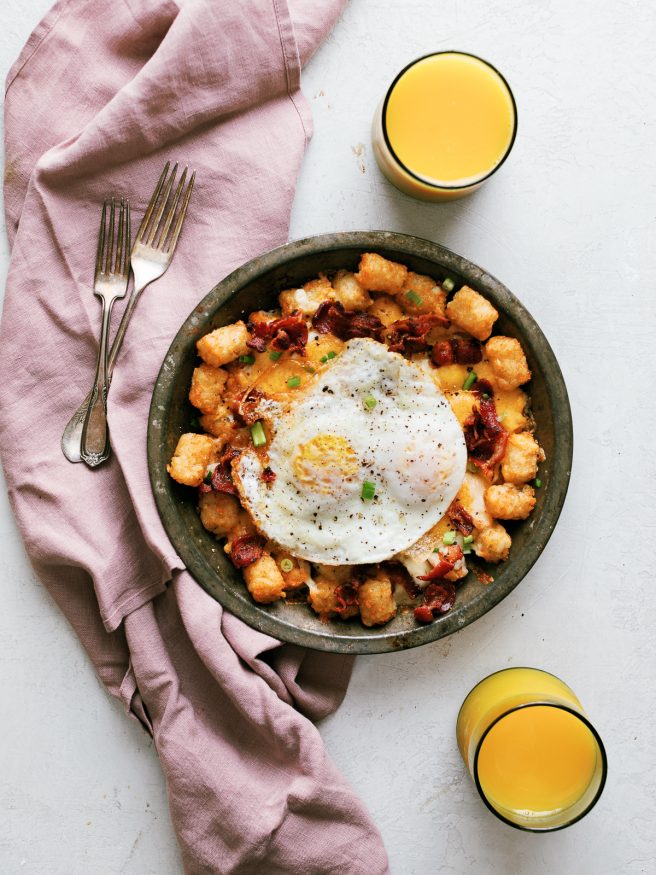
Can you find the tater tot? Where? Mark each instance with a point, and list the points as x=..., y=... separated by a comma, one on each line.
x=377, y=274
x=376, y=600
x=386, y=309
x=508, y=502
x=192, y=455
x=264, y=580
x=493, y=543
x=421, y=294
x=322, y=598
x=219, y=513
x=520, y=462
x=348, y=291
x=508, y=361
x=308, y=298
x=295, y=571
x=472, y=312
x=223, y=345
x=207, y=385
x=220, y=424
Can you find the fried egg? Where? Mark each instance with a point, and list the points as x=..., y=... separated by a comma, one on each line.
x=367, y=458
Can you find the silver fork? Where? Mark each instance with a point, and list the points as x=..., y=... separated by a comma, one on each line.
x=110, y=283
x=152, y=252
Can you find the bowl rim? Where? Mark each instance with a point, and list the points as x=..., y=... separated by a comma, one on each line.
x=375, y=640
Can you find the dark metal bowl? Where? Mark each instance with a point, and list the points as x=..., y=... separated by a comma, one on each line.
x=255, y=286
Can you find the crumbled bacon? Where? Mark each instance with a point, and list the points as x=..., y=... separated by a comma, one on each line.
x=288, y=333
x=483, y=387
x=268, y=475
x=331, y=317
x=409, y=335
x=438, y=598
x=457, y=351
x=449, y=556
x=485, y=437
x=221, y=479
x=460, y=518
x=346, y=596
x=245, y=405
x=246, y=550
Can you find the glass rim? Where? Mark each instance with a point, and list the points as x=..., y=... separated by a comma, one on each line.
x=396, y=158
x=501, y=671
x=596, y=736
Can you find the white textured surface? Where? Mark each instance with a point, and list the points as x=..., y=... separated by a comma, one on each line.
x=568, y=225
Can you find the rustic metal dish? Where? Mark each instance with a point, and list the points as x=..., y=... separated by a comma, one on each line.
x=255, y=286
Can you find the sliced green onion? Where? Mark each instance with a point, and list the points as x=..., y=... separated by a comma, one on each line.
x=448, y=538
x=471, y=379
x=368, y=490
x=293, y=382
x=274, y=356
x=286, y=565
x=448, y=284
x=207, y=479
x=485, y=396
x=472, y=468
x=466, y=549
x=369, y=402
x=468, y=539
x=309, y=369
x=414, y=298
x=257, y=434
x=247, y=359
x=538, y=483
x=328, y=356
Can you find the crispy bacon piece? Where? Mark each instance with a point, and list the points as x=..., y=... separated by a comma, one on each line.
x=346, y=595
x=246, y=550
x=460, y=518
x=483, y=387
x=457, y=351
x=485, y=437
x=288, y=333
x=221, y=480
x=409, y=335
x=438, y=598
x=331, y=317
x=442, y=353
x=268, y=475
x=448, y=558
x=245, y=405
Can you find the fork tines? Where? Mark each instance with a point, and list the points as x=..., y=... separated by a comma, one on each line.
x=162, y=222
x=112, y=260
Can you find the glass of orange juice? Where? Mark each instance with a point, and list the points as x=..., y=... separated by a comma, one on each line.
x=537, y=761
x=446, y=124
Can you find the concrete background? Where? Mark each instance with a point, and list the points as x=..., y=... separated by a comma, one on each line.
x=568, y=225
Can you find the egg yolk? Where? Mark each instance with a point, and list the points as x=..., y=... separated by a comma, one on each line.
x=326, y=464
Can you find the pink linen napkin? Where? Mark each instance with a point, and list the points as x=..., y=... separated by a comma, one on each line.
x=100, y=97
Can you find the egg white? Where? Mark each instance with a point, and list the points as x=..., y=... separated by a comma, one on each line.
x=410, y=445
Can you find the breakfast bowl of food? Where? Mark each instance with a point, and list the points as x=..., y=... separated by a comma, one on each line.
x=359, y=442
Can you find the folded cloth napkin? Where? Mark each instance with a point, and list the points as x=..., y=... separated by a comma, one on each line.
x=100, y=97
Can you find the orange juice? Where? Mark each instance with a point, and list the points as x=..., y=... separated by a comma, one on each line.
x=537, y=761
x=447, y=123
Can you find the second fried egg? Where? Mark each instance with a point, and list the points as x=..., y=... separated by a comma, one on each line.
x=366, y=460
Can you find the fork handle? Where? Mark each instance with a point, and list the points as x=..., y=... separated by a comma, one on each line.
x=95, y=433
